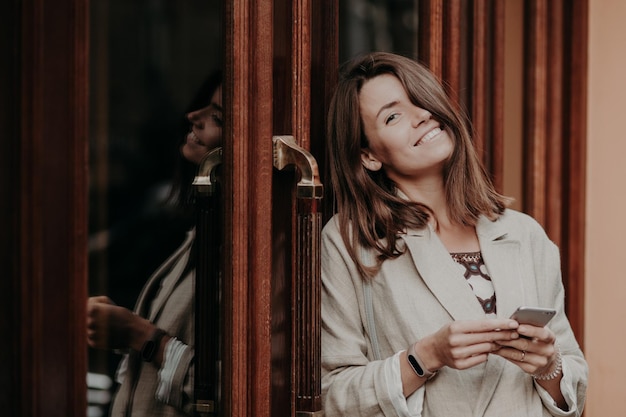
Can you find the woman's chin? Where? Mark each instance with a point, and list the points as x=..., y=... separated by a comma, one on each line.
x=193, y=153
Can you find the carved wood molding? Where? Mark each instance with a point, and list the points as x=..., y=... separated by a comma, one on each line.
x=247, y=190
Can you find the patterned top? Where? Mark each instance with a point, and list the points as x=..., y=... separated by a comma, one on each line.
x=478, y=279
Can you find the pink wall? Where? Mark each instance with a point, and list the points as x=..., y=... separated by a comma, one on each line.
x=605, y=289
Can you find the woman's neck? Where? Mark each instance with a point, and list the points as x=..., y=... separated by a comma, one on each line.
x=431, y=193
x=457, y=238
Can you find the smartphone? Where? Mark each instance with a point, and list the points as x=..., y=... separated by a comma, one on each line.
x=536, y=316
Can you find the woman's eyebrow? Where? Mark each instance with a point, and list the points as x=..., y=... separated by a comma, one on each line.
x=386, y=106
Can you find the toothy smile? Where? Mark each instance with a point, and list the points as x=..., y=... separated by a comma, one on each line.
x=191, y=137
x=428, y=137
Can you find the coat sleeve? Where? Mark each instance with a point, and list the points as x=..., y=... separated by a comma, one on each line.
x=552, y=293
x=352, y=384
x=175, y=385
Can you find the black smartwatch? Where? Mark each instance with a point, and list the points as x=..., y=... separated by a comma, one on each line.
x=417, y=364
x=151, y=346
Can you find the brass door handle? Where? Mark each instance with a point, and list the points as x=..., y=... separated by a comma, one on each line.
x=287, y=152
x=205, y=181
x=307, y=303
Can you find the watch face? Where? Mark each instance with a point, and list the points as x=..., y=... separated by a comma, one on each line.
x=418, y=369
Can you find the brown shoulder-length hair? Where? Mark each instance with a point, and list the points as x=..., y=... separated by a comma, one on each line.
x=370, y=212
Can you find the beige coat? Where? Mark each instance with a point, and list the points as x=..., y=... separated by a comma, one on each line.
x=172, y=309
x=414, y=296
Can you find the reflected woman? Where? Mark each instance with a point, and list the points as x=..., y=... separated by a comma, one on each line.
x=156, y=374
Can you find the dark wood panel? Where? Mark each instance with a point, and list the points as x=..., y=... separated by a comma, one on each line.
x=535, y=128
x=480, y=93
x=430, y=35
x=301, y=72
x=453, y=35
x=575, y=132
x=486, y=101
x=555, y=86
x=248, y=185
x=555, y=77
x=496, y=160
x=286, y=112
x=49, y=174
x=324, y=61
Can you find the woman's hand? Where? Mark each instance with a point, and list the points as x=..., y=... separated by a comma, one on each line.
x=113, y=327
x=535, y=352
x=459, y=345
x=464, y=344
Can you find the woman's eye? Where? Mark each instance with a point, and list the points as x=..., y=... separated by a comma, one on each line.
x=391, y=118
x=217, y=119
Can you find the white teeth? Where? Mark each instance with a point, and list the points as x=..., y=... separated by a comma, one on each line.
x=194, y=138
x=429, y=136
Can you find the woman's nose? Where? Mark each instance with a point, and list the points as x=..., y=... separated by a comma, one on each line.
x=195, y=119
x=420, y=116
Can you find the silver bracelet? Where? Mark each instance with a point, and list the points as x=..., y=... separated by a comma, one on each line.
x=557, y=368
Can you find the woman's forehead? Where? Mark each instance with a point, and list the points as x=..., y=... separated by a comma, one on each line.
x=381, y=92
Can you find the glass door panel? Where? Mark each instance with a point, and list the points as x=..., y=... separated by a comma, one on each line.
x=148, y=58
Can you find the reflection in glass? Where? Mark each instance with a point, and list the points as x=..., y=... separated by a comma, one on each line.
x=148, y=59
x=377, y=25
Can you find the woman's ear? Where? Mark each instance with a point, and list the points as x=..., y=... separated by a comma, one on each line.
x=369, y=161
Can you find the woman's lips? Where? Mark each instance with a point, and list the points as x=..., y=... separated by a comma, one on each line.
x=428, y=137
x=192, y=138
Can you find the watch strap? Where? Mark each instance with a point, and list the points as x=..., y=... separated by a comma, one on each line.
x=151, y=346
x=417, y=364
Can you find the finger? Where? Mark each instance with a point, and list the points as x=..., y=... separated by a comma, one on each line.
x=521, y=358
x=468, y=362
x=474, y=350
x=97, y=311
x=485, y=337
x=534, y=345
x=95, y=339
x=543, y=334
x=521, y=343
x=99, y=299
x=482, y=326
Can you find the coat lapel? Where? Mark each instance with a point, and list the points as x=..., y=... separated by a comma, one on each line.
x=175, y=265
x=439, y=272
x=501, y=254
x=436, y=267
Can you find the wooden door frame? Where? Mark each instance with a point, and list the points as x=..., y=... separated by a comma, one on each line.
x=44, y=186
x=247, y=193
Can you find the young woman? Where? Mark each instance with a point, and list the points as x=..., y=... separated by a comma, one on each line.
x=423, y=265
x=156, y=374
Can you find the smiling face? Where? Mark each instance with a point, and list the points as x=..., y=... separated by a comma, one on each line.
x=205, y=133
x=402, y=138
